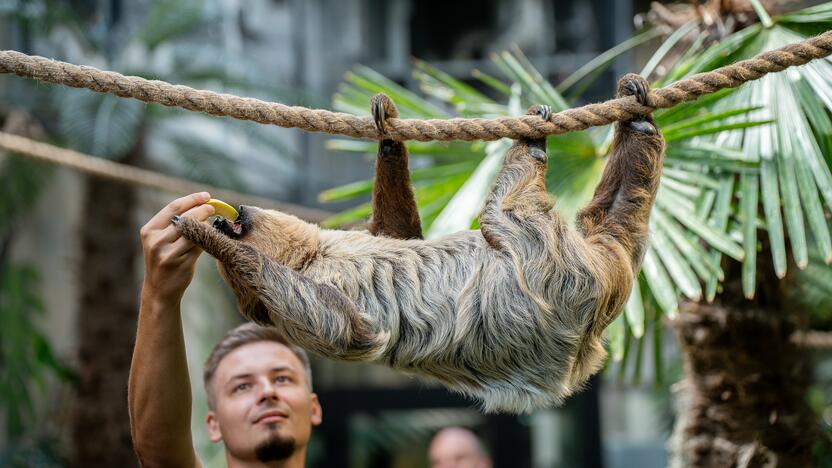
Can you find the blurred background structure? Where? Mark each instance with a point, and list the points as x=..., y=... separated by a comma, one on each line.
x=69, y=244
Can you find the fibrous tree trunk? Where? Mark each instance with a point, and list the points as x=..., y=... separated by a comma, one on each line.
x=107, y=323
x=743, y=396
x=742, y=402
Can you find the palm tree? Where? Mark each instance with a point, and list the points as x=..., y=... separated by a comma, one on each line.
x=730, y=156
x=744, y=395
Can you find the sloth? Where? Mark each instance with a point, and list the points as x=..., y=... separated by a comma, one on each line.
x=511, y=314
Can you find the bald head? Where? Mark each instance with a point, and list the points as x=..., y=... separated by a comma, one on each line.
x=455, y=447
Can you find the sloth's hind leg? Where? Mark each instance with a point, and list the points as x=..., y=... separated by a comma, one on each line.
x=394, y=205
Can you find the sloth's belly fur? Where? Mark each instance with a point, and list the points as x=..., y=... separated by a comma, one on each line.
x=454, y=309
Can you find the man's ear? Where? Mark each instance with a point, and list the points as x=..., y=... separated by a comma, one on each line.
x=317, y=413
x=214, y=432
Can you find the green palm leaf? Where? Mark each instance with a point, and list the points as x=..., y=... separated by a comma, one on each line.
x=465, y=205
x=99, y=124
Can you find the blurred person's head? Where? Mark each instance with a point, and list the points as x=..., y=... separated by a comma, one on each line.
x=455, y=447
x=260, y=398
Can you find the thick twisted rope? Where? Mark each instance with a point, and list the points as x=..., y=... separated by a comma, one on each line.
x=141, y=177
x=318, y=120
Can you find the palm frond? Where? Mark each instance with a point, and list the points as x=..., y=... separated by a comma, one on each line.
x=168, y=20
x=99, y=124
x=602, y=61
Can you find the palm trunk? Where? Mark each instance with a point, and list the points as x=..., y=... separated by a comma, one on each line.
x=743, y=398
x=107, y=323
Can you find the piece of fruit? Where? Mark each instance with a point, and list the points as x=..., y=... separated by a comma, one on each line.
x=223, y=209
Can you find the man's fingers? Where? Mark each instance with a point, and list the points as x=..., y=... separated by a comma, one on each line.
x=193, y=252
x=168, y=235
x=199, y=213
x=176, y=207
x=182, y=246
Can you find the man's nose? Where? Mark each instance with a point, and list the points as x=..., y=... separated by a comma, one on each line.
x=269, y=391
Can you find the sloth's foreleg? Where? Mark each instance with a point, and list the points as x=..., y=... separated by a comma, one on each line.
x=620, y=208
x=615, y=222
x=518, y=203
x=220, y=246
x=316, y=316
x=394, y=205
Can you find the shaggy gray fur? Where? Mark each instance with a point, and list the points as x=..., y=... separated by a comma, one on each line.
x=511, y=314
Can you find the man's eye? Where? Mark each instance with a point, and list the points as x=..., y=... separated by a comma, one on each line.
x=281, y=379
x=240, y=387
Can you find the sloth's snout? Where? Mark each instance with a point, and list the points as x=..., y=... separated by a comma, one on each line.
x=234, y=229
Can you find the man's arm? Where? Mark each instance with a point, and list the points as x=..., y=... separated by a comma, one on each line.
x=159, y=392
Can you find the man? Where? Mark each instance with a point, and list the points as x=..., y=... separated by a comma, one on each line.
x=259, y=387
x=455, y=447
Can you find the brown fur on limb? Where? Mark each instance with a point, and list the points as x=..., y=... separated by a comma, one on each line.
x=394, y=205
x=511, y=314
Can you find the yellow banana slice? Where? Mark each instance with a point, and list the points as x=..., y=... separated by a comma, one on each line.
x=223, y=209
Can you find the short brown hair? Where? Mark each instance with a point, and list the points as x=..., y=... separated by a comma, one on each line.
x=242, y=335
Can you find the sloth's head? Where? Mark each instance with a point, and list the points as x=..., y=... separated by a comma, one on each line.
x=285, y=238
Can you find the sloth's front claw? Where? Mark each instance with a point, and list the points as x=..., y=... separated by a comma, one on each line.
x=382, y=108
x=537, y=146
x=205, y=237
x=632, y=84
x=543, y=110
x=192, y=230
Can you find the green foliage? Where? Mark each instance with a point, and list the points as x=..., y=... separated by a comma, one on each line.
x=794, y=177
x=813, y=290
x=110, y=127
x=38, y=16
x=169, y=20
x=590, y=70
x=21, y=182
x=27, y=454
x=26, y=359
x=103, y=125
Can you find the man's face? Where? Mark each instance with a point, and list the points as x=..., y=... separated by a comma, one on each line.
x=263, y=404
